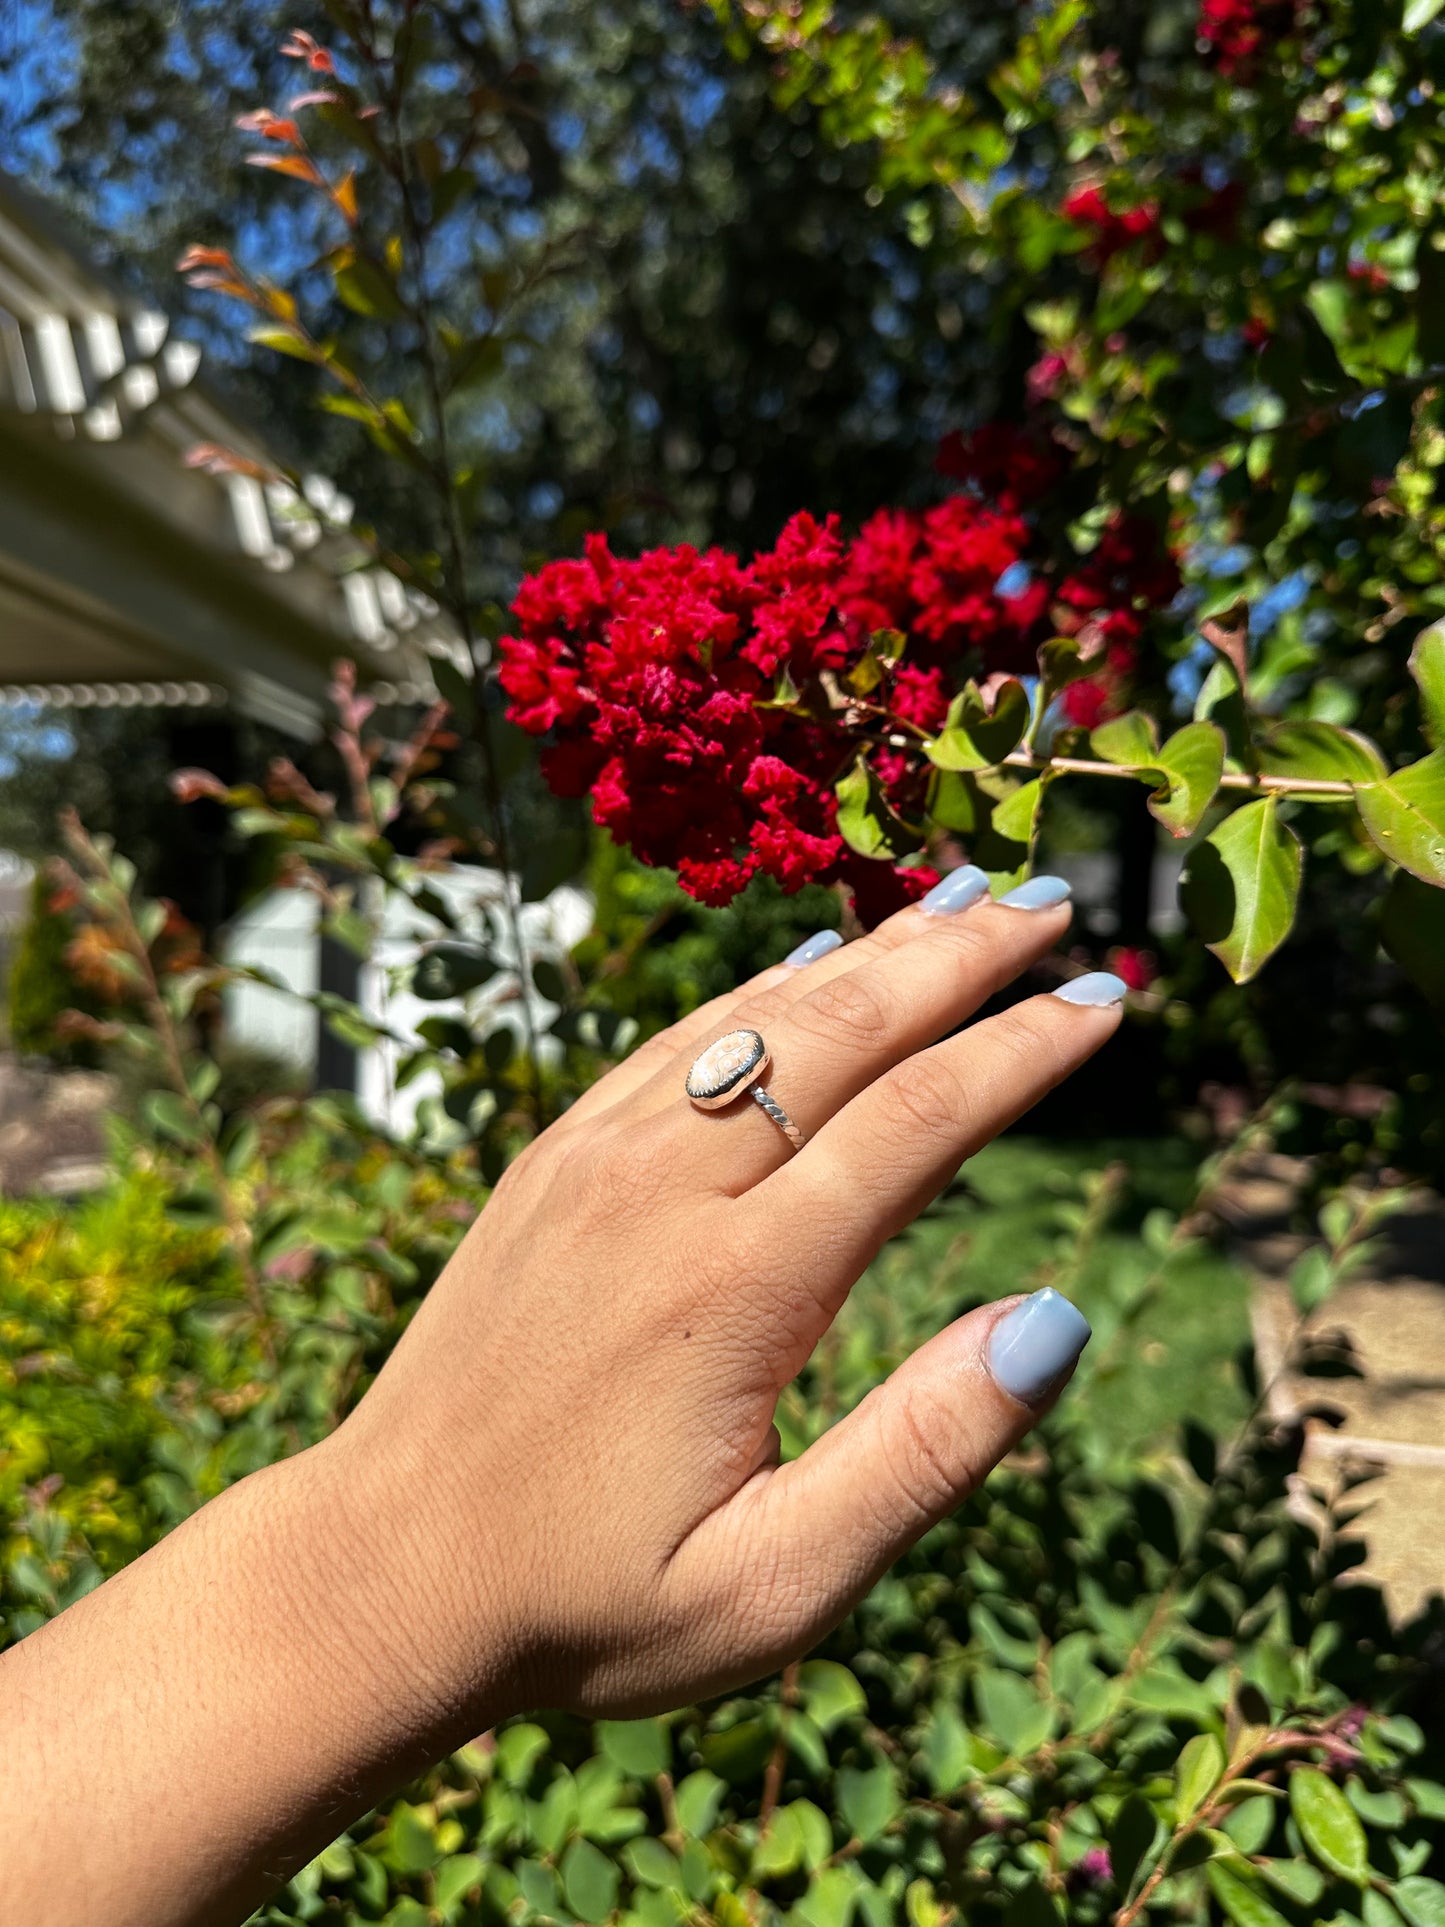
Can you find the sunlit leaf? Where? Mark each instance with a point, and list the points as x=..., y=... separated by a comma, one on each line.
x=1242, y=1903
x=1311, y=749
x=1329, y=1825
x=867, y=821
x=977, y=736
x=1427, y=666
x=1405, y=816
x=1193, y=761
x=1242, y=886
x=1199, y=1770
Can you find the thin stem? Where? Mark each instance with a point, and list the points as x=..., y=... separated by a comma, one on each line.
x=454, y=574
x=1231, y=779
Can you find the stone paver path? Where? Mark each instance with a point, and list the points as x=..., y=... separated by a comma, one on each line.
x=52, y=1136
x=1392, y=1322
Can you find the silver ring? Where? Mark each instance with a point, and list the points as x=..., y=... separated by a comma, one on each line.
x=728, y=1067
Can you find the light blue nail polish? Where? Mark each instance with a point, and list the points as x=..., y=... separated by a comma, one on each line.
x=1039, y=893
x=1036, y=1343
x=956, y=891
x=1098, y=988
x=811, y=948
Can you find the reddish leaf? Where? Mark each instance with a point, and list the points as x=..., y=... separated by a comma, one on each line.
x=295, y=165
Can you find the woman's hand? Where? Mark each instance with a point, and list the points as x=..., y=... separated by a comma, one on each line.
x=573, y=1444
x=564, y=1487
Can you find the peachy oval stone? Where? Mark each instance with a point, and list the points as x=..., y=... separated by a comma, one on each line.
x=723, y=1066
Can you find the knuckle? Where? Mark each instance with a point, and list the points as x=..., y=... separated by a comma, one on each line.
x=921, y=1470
x=1027, y=1039
x=927, y=1096
x=853, y=1009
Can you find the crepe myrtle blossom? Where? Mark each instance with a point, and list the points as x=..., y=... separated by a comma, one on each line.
x=707, y=706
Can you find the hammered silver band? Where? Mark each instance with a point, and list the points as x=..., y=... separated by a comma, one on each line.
x=769, y=1104
x=731, y=1065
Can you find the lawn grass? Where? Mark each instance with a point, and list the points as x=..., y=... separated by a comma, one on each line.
x=1094, y=1220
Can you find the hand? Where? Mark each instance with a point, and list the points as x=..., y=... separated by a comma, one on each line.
x=573, y=1445
x=564, y=1487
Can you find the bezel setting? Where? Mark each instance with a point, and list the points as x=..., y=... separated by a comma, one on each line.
x=728, y=1065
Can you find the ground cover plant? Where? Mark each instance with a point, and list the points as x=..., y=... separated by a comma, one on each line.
x=1121, y=1683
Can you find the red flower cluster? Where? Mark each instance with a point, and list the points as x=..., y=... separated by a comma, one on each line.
x=1109, y=232
x=1106, y=604
x=667, y=682
x=1234, y=31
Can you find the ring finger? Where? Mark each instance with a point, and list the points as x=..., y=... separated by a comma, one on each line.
x=837, y=1027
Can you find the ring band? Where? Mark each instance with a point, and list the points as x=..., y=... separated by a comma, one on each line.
x=728, y=1067
x=768, y=1103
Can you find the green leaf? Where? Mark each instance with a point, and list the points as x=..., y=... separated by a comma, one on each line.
x=1427, y=666
x=868, y=1801
x=518, y=1750
x=1376, y=1911
x=457, y=690
x=456, y=1877
x=1329, y=1826
x=830, y=1692
x=1377, y=1807
x=285, y=341
x=1061, y=662
x=1131, y=741
x=539, y=1886
x=1419, y=13
x=699, y=1797
x=1193, y=762
x=651, y=1863
x=1250, y=1824
x=1011, y=1709
x=1199, y=1770
x=449, y=969
x=976, y=737
x=589, y=1881
x=738, y=1752
x=640, y=1747
x=780, y=1848
x=1310, y=749
x=411, y=1845
x=867, y=821
x=1016, y=817
x=1132, y=1839
x=1405, y=817
x=947, y=1749
x=830, y=1899
x=169, y=1114
x=366, y=287
x=1242, y=885
x=1301, y=1880
x=1312, y=1278
x=1420, y=1900
x=1241, y=1902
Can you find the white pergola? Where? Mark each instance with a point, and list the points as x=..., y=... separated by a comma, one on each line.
x=127, y=577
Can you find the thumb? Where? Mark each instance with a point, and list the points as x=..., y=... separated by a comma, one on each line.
x=824, y=1528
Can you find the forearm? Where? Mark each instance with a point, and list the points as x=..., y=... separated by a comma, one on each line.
x=183, y=1739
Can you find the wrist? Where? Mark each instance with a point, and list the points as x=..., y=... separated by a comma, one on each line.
x=404, y=1572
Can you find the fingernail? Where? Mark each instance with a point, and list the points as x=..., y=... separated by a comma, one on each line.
x=1036, y=1343
x=811, y=948
x=1039, y=893
x=1098, y=988
x=957, y=891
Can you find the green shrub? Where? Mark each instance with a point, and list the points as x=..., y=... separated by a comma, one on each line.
x=1124, y=1653
x=142, y=1368
x=41, y=985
